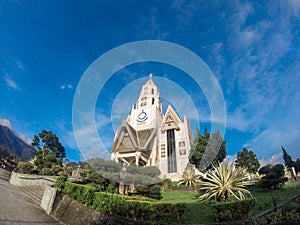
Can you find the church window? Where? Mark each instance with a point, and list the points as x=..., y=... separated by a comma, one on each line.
x=182, y=149
x=171, y=151
x=143, y=103
x=144, y=99
x=152, y=101
x=181, y=144
x=146, y=90
x=152, y=91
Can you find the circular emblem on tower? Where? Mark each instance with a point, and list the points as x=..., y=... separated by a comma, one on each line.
x=142, y=116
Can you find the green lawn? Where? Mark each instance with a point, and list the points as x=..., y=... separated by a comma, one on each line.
x=201, y=213
x=197, y=212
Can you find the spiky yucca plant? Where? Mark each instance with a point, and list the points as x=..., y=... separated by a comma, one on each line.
x=189, y=177
x=225, y=181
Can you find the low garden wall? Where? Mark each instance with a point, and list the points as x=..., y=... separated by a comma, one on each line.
x=21, y=179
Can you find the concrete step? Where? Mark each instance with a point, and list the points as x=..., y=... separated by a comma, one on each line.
x=4, y=174
x=34, y=193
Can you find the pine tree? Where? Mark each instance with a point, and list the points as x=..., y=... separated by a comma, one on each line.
x=248, y=160
x=210, y=149
x=287, y=159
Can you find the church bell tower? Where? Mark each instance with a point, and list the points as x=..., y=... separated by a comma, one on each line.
x=150, y=138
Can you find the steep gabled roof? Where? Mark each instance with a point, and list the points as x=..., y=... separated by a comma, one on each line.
x=171, y=120
x=128, y=139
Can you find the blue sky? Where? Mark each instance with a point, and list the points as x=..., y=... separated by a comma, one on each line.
x=252, y=48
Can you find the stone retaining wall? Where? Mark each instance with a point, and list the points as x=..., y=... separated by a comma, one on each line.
x=71, y=212
x=21, y=179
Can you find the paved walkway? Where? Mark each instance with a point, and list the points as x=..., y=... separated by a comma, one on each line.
x=17, y=209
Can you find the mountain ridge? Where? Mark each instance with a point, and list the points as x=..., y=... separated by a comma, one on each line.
x=11, y=144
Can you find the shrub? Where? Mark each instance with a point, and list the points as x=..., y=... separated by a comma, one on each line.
x=225, y=181
x=127, y=206
x=151, y=191
x=237, y=210
x=189, y=177
x=81, y=193
x=60, y=181
x=25, y=167
x=274, y=176
x=166, y=184
x=154, y=192
x=123, y=206
x=265, y=169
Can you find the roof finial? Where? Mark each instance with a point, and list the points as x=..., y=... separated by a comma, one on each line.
x=150, y=76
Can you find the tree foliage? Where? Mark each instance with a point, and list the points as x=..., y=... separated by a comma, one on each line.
x=214, y=147
x=288, y=161
x=297, y=165
x=273, y=176
x=141, y=176
x=248, y=160
x=46, y=140
x=225, y=181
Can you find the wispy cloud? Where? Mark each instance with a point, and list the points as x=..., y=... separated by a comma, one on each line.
x=260, y=71
x=66, y=86
x=89, y=143
x=12, y=84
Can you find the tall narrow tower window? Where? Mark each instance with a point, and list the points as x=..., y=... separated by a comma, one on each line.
x=146, y=90
x=152, y=91
x=171, y=149
x=153, y=101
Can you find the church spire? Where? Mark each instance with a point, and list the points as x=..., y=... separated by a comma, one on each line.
x=149, y=95
x=150, y=81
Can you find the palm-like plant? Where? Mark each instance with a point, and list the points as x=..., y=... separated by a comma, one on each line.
x=189, y=177
x=225, y=181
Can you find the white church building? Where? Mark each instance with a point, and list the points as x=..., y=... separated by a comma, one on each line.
x=150, y=138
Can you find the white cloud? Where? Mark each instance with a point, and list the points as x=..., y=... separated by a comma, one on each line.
x=9, y=82
x=90, y=143
x=64, y=86
x=230, y=159
x=5, y=122
x=293, y=7
x=269, y=141
x=274, y=159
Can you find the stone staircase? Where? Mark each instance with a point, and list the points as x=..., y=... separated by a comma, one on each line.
x=34, y=193
x=4, y=174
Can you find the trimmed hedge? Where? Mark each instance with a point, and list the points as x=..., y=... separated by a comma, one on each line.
x=81, y=193
x=139, y=210
x=229, y=211
x=127, y=206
